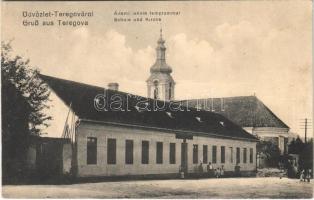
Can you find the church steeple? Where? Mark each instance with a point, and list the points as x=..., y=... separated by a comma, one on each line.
x=160, y=63
x=160, y=84
x=161, y=49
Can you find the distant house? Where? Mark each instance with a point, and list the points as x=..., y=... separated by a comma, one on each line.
x=251, y=114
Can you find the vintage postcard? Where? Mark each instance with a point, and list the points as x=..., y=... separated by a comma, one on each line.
x=157, y=99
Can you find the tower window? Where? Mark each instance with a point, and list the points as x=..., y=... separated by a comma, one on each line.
x=170, y=87
x=155, y=89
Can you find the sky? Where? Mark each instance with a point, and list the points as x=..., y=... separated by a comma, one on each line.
x=215, y=48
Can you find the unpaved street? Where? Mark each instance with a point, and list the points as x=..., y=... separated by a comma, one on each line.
x=203, y=188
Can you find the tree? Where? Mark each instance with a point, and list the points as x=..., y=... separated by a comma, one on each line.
x=24, y=98
x=306, y=155
x=305, y=152
x=26, y=80
x=270, y=151
x=295, y=146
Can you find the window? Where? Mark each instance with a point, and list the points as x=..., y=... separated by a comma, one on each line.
x=172, y=155
x=195, y=153
x=145, y=152
x=91, y=150
x=238, y=155
x=231, y=154
x=214, y=154
x=244, y=155
x=222, y=154
x=251, y=155
x=170, y=85
x=205, y=150
x=155, y=89
x=111, y=151
x=159, y=153
x=129, y=152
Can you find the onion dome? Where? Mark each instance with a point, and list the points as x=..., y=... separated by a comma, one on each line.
x=160, y=65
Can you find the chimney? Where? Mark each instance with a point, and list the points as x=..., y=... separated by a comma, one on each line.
x=113, y=86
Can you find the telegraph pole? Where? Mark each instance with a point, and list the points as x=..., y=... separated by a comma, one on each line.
x=305, y=124
x=305, y=129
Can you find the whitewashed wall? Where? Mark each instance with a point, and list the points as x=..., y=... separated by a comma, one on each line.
x=103, y=132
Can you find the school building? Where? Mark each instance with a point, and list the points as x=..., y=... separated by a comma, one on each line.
x=119, y=134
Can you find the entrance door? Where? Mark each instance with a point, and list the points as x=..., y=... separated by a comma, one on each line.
x=184, y=156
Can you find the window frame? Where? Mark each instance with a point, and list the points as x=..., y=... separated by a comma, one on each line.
x=195, y=153
x=111, y=151
x=244, y=155
x=91, y=147
x=205, y=153
x=214, y=154
x=145, y=152
x=251, y=155
x=172, y=153
x=129, y=152
x=231, y=154
x=238, y=155
x=222, y=154
x=159, y=152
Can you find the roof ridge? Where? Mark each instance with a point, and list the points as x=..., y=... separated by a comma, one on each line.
x=82, y=96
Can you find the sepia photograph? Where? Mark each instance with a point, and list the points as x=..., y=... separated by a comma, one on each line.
x=157, y=99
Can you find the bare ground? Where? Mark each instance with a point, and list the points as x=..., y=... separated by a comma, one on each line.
x=268, y=187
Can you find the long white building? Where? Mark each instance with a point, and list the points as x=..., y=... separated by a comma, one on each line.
x=119, y=134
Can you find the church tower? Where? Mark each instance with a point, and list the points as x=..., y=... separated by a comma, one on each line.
x=160, y=84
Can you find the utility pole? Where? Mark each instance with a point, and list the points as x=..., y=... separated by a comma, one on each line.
x=305, y=124
x=305, y=129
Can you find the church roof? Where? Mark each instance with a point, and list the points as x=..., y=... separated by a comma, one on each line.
x=81, y=98
x=160, y=65
x=246, y=111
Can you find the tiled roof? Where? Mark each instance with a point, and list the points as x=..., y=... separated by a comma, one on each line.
x=81, y=97
x=246, y=111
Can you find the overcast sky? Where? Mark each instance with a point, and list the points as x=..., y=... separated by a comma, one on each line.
x=220, y=49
